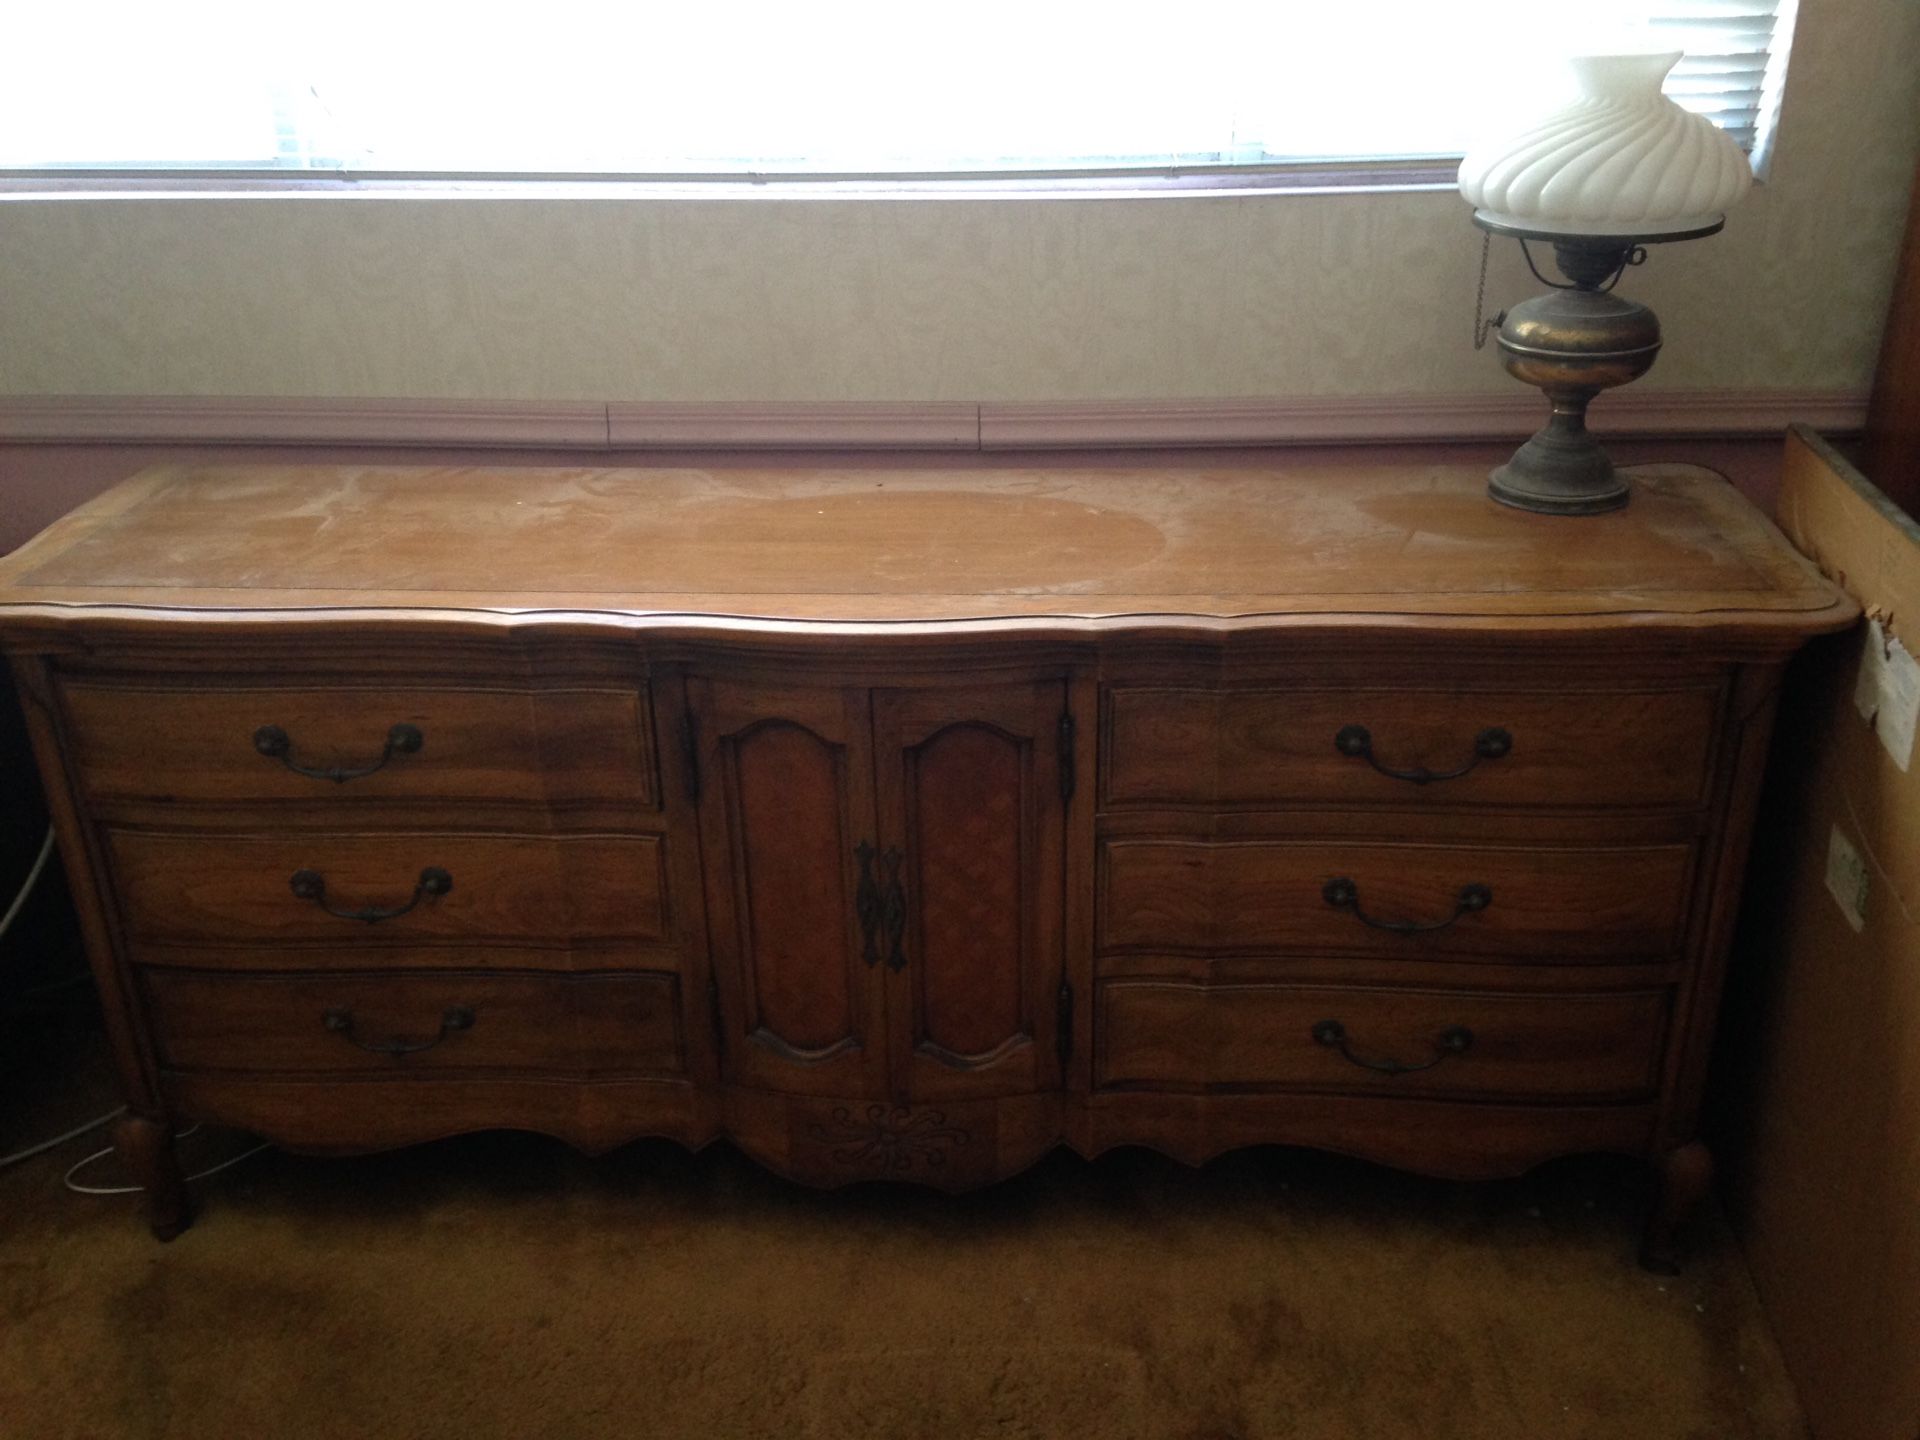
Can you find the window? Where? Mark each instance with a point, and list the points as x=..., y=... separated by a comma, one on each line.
x=877, y=90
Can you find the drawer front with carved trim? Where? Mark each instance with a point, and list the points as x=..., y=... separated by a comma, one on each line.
x=1561, y=1047
x=1406, y=900
x=389, y=1024
x=1531, y=749
x=382, y=890
x=361, y=746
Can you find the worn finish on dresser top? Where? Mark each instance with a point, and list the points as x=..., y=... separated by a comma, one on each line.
x=910, y=822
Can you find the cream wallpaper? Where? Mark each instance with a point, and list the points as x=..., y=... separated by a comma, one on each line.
x=965, y=300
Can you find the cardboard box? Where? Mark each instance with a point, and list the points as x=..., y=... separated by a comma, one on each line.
x=1821, y=1038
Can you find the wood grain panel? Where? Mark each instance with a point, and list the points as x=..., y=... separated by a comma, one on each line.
x=793, y=844
x=969, y=787
x=967, y=799
x=164, y=743
x=564, y=1024
x=1176, y=1034
x=1890, y=450
x=1239, y=546
x=786, y=804
x=1549, y=903
x=1592, y=749
x=341, y=1114
x=551, y=954
x=237, y=889
x=1476, y=1139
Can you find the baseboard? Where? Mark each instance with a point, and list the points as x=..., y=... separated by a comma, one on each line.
x=992, y=425
x=827, y=425
x=1703, y=414
x=251, y=420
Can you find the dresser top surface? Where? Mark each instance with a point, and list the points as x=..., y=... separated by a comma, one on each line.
x=1218, y=546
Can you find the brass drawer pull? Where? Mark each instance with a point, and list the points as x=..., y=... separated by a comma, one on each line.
x=1454, y=1040
x=1492, y=743
x=312, y=885
x=339, y=1020
x=276, y=744
x=1343, y=894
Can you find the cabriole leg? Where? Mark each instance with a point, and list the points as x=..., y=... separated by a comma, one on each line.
x=1686, y=1177
x=145, y=1147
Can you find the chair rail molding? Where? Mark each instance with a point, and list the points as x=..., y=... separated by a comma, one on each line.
x=841, y=425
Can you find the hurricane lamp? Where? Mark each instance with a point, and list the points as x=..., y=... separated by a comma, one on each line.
x=1619, y=168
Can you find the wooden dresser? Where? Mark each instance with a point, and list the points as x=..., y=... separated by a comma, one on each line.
x=907, y=823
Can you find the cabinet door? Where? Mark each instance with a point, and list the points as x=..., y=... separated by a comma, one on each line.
x=969, y=786
x=786, y=829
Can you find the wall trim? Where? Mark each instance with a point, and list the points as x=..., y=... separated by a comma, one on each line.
x=1701, y=414
x=827, y=425
x=249, y=420
x=993, y=425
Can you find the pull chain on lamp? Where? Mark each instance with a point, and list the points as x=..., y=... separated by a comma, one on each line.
x=1618, y=169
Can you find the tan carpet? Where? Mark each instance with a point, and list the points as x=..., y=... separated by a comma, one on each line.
x=503, y=1286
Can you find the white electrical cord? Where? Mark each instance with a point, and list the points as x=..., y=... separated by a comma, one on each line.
x=58, y=1140
x=78, y=1166
x=34, y=992
x=13, y=910
x=6, y=922
x=79, y=1189
x=33, y=878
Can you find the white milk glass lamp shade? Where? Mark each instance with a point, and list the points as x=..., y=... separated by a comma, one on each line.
x=1619, y=159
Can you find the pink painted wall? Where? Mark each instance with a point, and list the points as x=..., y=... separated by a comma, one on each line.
x=39, y=483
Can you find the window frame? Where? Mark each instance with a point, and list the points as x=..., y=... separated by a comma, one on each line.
x=1437, y=172
x=1334, y=175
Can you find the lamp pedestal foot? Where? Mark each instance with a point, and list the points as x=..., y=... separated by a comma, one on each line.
x=1562, y=470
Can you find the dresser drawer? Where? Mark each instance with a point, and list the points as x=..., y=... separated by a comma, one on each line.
x=1491, y=748
x=389, y=889
x=1377, y=1040
x=384, y=1023
x=352, y=744
x=1329, y=897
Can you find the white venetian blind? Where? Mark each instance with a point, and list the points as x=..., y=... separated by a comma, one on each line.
x=838, y=88
x=1735, y=62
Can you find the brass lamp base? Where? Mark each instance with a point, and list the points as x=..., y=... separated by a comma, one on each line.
x=1573, y=342
x=1562, y=470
